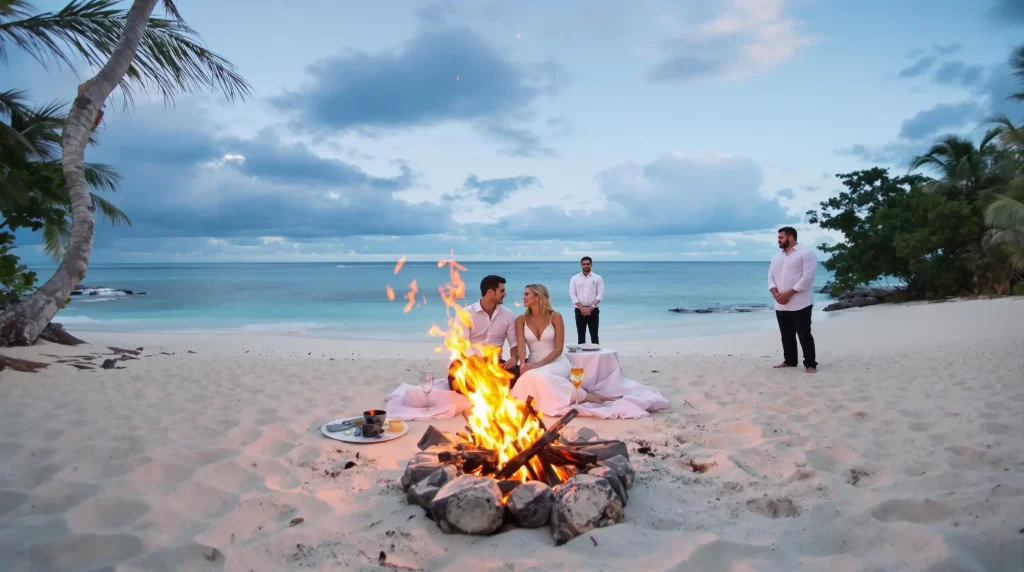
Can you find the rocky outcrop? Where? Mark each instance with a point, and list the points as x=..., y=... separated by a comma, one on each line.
x=744, y=309
x=865, y=297
x=103, y=291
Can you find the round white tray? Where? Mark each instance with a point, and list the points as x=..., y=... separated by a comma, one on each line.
x=387, y=435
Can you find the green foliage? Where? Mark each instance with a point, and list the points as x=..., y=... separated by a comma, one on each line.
x=16, y=279
x=171, y=58
x=893, y=228
x=959, y=232
x=32, y=176
x=1018, y=289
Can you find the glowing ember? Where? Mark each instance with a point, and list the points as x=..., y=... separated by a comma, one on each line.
x=391, y=293
x=499, y=422
x=399, y=264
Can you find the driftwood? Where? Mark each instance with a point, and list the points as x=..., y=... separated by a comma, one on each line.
x=56, y=333
x=23, y=365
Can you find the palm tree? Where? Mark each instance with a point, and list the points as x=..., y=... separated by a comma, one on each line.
x=32, y=148
x=1006, y=217
x=136, y=52
x=963, y=169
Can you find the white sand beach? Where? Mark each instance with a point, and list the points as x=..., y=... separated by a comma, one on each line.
x=905, y=452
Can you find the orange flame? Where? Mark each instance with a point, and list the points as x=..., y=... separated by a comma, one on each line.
x=399, y=264
x=499, y=422
x=411, y=296
x=391, y=293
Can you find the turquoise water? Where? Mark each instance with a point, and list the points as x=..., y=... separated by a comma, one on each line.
x=348, y=300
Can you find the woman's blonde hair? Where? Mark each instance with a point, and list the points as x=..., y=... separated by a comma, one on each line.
x=541, y=292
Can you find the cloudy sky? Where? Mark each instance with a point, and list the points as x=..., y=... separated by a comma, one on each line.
x=535, y=130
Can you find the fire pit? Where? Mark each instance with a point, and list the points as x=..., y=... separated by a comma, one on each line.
x=508, y=467
x=571, y=483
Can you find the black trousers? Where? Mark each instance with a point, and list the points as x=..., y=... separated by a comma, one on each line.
x=796, y=324
x=584, y=323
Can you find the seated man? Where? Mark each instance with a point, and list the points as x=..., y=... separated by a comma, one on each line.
x=493, y=324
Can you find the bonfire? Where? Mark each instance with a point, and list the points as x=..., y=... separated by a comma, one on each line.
x=507, y=460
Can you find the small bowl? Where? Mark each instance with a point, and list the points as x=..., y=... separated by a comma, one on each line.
x=376, y=416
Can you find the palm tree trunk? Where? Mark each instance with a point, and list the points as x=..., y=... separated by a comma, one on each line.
x=21, y=324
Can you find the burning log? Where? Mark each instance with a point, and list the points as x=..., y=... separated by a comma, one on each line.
x=569, y=456
x=515, y=463
x=473, y=462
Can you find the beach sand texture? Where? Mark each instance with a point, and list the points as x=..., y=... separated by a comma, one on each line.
x=905, y=452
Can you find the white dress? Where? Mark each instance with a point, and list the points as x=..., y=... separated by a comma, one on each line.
x=549, y=384
x=554, y=394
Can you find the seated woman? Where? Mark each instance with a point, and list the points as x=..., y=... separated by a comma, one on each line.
x=545, y=374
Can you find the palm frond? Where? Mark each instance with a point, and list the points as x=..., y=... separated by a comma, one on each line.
x=12, y=104
x=56, y=236
x=109, y=211
x=102, y=177
x=12, y=101
x=171, y=59
x=1005, y=212
x=1017, y=63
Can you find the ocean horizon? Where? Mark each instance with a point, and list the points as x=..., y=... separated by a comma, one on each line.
x=349, y=300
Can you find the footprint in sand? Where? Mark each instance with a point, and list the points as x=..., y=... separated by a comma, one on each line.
x=106, y=512
x=918, y=512
x=85, y=552
x=993, y=428
x=830, y=458
x=920, y=426
x=782, y=507
x=10, y=500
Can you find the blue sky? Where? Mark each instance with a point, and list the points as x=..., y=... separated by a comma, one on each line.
x=653, y=129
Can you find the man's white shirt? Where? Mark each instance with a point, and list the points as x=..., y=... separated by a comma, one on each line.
x=794, y=271
x=492, y=330
x=586, y=289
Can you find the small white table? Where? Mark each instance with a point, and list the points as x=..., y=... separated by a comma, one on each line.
x=598, y=366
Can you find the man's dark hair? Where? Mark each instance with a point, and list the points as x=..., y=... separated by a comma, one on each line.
x=490, y=282
x=789, y=231
x=586, y=259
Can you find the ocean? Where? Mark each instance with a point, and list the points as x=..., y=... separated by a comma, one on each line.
x=348, y=300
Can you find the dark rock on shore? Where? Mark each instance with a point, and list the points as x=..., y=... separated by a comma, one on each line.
x=866, y=297
x=81, y=290
x=721, y=309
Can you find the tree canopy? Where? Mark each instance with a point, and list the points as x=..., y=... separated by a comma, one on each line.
x=961, y=230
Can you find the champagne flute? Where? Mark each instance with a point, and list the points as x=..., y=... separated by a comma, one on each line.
x=576, y=377
x=427, y=385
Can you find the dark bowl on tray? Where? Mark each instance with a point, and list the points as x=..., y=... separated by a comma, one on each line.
x=376, y=416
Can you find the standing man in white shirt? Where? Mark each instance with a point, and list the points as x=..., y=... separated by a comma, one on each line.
x=493, y=325
x=586, y=290
x=791, y=281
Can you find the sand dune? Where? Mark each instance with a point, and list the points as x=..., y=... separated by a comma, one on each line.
x=903, y=453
